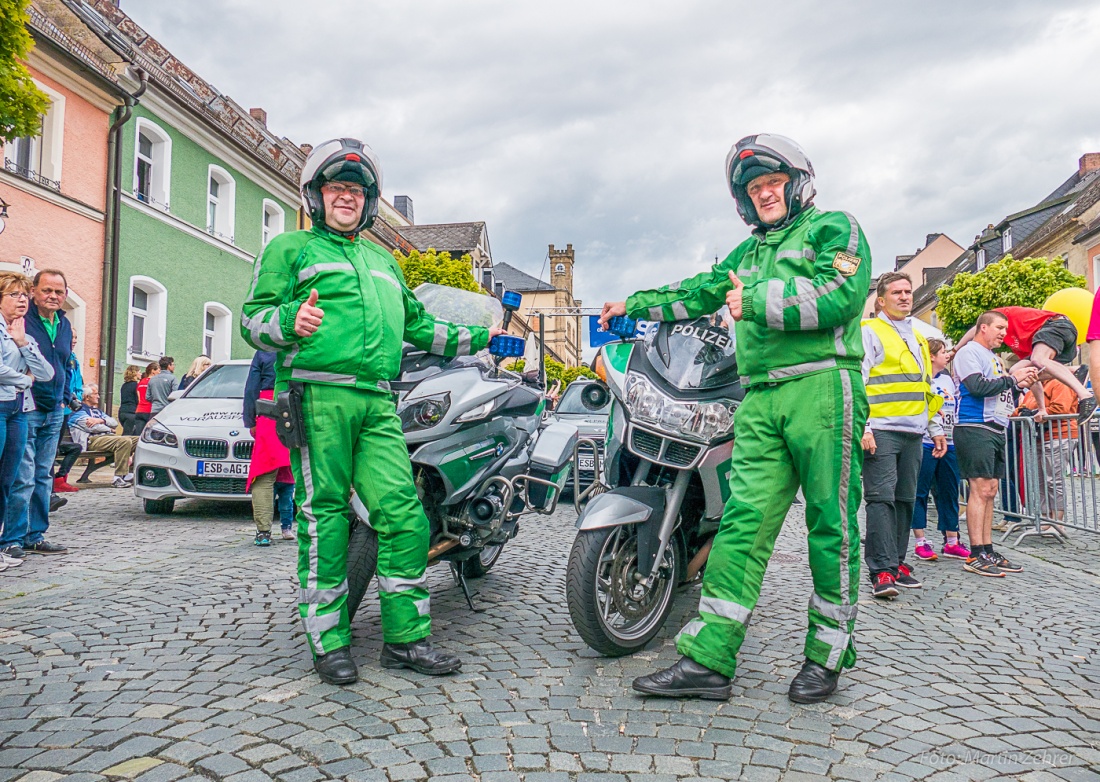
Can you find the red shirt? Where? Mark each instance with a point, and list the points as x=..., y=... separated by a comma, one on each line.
x=1023, y=322
x=144, y=405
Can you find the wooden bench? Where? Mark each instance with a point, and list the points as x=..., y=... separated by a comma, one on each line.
x=93, y=461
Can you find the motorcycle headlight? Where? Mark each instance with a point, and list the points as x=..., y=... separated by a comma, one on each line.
x=698, y=420
x=158, y=434
x=423, y=413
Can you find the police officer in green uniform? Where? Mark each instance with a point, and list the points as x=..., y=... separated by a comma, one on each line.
x=795, y=290
x=335, y=309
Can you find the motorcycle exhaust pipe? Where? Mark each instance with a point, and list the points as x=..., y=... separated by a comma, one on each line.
x=699, y=560
x=439, y=548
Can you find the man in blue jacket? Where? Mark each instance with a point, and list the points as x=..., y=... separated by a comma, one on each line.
x=28, y=513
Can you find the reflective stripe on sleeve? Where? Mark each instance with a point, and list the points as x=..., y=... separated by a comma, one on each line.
x=774, y=305
x=439, y=339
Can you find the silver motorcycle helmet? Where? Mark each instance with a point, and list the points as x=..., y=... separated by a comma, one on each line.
x=341, y=160
x=765, y=153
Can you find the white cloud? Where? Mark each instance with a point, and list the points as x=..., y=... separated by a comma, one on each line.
x=606, y=124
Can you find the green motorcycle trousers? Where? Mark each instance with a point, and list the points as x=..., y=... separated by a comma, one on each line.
x=806, y=432
x=354, y=440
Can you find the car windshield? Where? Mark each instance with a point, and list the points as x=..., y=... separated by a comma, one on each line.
x=459, y=306
x=570, y=402
x=221, y=381
x=692, y=354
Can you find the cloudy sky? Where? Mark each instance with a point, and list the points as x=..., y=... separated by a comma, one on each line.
x=606, y=124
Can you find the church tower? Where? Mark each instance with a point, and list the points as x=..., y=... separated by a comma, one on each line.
x=561, y=269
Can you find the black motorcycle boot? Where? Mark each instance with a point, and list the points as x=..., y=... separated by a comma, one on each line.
x=686, y=679
x=421, y=657
x=813, y=684
x=336, y=667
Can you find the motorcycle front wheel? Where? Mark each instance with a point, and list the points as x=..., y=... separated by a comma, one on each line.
x=613, y=613
x=362, y=562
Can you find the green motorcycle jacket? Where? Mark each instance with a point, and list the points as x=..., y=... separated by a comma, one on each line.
x=368, y=312
x=805, y=287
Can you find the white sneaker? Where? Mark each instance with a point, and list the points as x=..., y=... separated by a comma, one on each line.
x=7, y=561
x=121, y=483
x=129, y=477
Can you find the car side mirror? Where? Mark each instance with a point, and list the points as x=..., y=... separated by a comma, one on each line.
x=595, y=395
x=177, y=394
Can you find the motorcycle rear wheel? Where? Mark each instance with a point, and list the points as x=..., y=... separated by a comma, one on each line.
x=476, y=567
x=362, y=562
x=613, y=615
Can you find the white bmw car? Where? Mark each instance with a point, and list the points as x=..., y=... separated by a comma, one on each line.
x=198, y=445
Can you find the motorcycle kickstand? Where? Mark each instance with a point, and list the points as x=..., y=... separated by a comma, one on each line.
x=460, y=579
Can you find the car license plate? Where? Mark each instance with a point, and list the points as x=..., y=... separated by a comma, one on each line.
x=584, y=462
x=233, y=469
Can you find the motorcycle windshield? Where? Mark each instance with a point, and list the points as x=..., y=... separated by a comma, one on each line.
x=458, y=306
x=693, y=354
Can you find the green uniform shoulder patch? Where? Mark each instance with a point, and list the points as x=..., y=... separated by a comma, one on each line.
x=846, y=264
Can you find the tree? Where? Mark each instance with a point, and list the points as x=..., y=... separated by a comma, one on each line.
x=439, y=268
x=555, y=370
x=1011, y=282
x=22, y=104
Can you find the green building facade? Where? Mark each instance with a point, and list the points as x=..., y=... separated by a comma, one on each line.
x=197, y=207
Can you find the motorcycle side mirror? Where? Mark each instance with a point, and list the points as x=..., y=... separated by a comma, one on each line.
x=595, y=396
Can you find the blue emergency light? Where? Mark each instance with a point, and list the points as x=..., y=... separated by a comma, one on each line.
x=505, y=346
x=622, y=326
x=511, y=300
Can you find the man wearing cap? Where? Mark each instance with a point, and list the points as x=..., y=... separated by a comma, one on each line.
x=795, y=291
x=335, y=309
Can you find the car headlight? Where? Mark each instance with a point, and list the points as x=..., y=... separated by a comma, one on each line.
x=698, y=420
x=158, y=434
x=423, y=413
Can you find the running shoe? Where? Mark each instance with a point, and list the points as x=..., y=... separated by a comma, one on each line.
x=9, y=561
x=287, y=534
x=905, y=578
x=45, y=547
x=120, y=483
x=882, y=585
x=983, y=567
x=925, y=551
x=263, y=539
x=955, y=550
x=1085, y=409
x=1003, y=564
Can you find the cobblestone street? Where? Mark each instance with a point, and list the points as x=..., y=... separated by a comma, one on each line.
x=163, y=648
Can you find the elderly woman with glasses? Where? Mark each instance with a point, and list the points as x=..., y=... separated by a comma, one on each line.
x=21, y=363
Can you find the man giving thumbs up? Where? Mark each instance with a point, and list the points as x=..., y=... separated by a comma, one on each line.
x=795, y=290
x=335, y=309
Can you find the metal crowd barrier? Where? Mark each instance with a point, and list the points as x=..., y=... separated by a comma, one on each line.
x=1053, y=481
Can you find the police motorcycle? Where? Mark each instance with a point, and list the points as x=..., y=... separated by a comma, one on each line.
x=645, y=528
x=482, y=457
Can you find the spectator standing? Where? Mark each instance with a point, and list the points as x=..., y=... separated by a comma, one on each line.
x=985, y=402
x=94, y=430
x=76, y=377
x=161, y=385
x=198, y=366
x=144, y=406
x=127, y=408
x=897, y=368
x=19, y=354
x=269, y=477
x=940, y=475
x=27, y=517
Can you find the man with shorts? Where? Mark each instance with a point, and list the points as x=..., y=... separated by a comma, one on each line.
x=1047, y=341
x=985, y=402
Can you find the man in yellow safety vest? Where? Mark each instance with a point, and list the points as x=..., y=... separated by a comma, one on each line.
x=897, y=370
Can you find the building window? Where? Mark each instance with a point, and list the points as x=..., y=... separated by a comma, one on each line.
x=216, y=331
x=273, y=222
x=980, y=258
x=38, y=158
x=148, y=311
x=1006, y=240
x=220, y=201
x=152, y=164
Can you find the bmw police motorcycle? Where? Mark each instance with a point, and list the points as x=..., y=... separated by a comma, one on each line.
x=480, y=452
x=647, y=525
